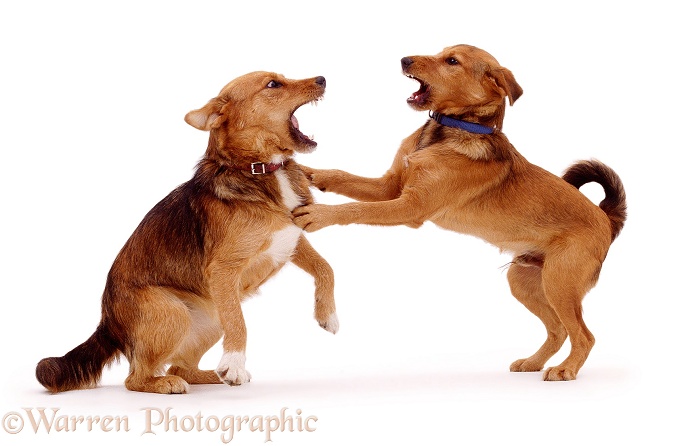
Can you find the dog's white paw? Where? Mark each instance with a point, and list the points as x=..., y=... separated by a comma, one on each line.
x=331, y=324
x=231, y=369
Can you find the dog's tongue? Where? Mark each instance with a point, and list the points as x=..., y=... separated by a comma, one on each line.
x=294, y=122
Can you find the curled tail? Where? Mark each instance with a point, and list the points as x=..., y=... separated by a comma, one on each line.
x=614, y=203
x=80, y=368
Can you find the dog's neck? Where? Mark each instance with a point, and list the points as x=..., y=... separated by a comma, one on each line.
x=242, y=160
x=259, y=168
x=470, y=127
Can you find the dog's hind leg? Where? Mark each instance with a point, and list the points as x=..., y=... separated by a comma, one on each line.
x=526, y=285
x=204, y=333
x=566, y=278
x=162, y=323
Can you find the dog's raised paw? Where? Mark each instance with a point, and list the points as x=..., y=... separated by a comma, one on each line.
x=331, y=324
x=231, y=369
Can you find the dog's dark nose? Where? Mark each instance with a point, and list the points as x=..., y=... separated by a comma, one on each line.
x=406, y=62
x=320, y=80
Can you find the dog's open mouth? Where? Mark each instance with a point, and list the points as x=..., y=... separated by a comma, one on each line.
x=304, y=141
x=420, y=97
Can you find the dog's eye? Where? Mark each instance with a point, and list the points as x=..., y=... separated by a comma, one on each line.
x=451, y=61
x=273, y=84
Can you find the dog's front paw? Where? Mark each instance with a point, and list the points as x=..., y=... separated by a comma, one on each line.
x=312, y=217
x=324, y=179
x=306, y=171
x=320, y=178
x=315, y=176
x=231, y=369
x=330, y=324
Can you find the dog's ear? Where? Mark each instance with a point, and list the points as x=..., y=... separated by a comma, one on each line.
x=505, y=80
x=204, y=118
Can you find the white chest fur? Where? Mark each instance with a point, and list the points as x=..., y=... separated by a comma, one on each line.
x=283, y=244
x=285, y=240
x=289, y=197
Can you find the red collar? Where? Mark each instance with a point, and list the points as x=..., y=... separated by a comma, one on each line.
x=259, y=168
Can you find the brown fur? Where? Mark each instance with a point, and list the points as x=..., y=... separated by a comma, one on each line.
x=177, y=285
x=480, y=185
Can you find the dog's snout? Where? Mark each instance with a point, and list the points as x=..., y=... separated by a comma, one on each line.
x=406, y=62
x=320, y=80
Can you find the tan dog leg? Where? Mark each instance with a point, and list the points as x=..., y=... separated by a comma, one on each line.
x=566, y=279
x=193, y=375
x=164, y=322
x=526, y=286
x=205, y=332
x=308, y=259
x=407, y=210
x=353, y=186
x=225, y=292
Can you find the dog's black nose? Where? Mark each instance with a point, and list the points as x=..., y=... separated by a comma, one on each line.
x=406, y=62
x=320, y=80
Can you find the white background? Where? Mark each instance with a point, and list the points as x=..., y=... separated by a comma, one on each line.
x=92, y=100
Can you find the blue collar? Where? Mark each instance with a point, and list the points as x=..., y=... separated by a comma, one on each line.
x=459, y=124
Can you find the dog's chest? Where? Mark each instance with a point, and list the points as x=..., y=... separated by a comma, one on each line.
x=283, y=243
x=290, y=199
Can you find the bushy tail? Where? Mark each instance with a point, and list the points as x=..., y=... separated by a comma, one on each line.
x=80, y=368
x=614, y=203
